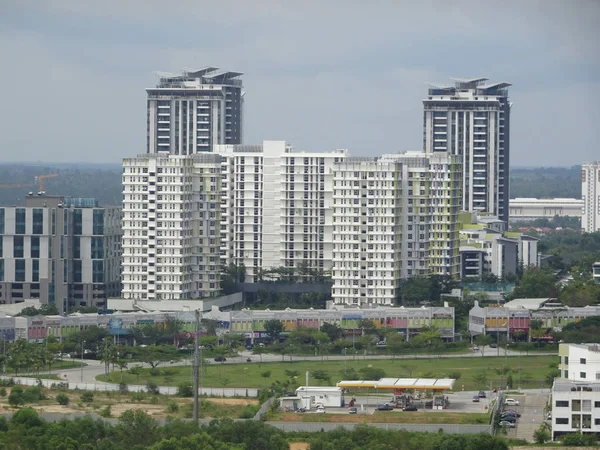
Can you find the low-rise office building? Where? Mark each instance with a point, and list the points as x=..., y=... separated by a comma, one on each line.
x=525, y=209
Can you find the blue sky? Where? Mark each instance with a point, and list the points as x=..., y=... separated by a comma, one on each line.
x=319, y=74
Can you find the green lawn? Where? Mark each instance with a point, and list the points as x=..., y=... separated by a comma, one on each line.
x=534, y=370
x=56, y=365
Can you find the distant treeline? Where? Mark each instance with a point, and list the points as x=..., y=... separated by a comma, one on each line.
x=542, y=182
x=103, y=181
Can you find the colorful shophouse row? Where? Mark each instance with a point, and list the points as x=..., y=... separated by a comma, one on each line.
x=514, y=320
x=251, y=323
x=410, y=321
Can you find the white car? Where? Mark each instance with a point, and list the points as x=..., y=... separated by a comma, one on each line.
x=511, y=402
x=320, y=410
x=506, y=424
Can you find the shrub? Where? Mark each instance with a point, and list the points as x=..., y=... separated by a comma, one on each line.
x=154, y=400
x=3, y=392
x=152, y=388
x=138, y=397
x=154, y=372
x=249, y=411
x=541, y=435
x=172, y=407
x=16, y=397
x=87, y=397
x=105, y=412
x=62, y=399
x=7, y=382
x=123, y=387
x=33, y=394
x=185, y=390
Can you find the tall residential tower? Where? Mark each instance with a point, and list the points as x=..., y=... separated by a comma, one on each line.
x=191, y=112
x=590, y=193
x=472, y=120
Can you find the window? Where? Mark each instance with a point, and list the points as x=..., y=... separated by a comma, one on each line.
x=98, y=222
x=77, y=222
x=1, y=243
x=1, y=270
x=97, y=248
x=562, y=421
x=596, y=404
x=566, y=360
x=562, y=403
x=20, y=220
x=1, y=221
x=98, y=271
x=582, y=360
x=35, y=270
x=19, y=270
x=35, y=246
x=76, y=271
x=581, y=374
x=18, y=247
x=76, y=247
x=38, y=221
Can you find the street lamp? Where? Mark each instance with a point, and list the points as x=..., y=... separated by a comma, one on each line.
x=82, y=344
x=47, y=356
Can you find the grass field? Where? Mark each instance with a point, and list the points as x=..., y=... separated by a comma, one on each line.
x=388, y=417
x=56, y=365
x=534, y=370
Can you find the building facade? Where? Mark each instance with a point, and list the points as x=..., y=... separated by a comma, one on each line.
x=171, y=217
x=64, y=251
x=393, y=217
x=191, y=112
x=590, y=194
x=472, y=120
x=523, y=209
x=576, y=393
x=276, y=207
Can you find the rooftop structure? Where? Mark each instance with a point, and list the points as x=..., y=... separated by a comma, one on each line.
x=544, y=208
x=439, y=384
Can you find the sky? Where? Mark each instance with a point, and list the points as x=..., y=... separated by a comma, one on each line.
x=319, y=74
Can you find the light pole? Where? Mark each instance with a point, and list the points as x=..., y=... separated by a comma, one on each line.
x=82, y=344
x=47, y=356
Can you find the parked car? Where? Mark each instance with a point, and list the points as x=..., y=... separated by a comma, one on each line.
x=511, y=402
x=352, y=410
x=512, y=419
x=512, y=411
x=320, y=410
x=385, y=407
x=410, y=408
x=249, y=347
x=493, y=345
x=481, y=394
x=475, y=348
x=220, y=358
x=506, y=424
x=476, y=399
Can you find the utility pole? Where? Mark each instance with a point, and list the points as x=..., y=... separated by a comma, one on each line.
x=196, y=371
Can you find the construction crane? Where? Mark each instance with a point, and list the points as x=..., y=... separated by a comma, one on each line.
x=41, y=179
x=15, y=185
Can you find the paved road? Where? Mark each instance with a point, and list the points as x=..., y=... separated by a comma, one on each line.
x=532, y=415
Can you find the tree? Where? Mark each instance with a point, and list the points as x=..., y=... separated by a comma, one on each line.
x=266, y=374
x=108, y=354
x=273, y=328
x=482, y=341
x=536, y=283
x=136, y=427
x=481, y=379
x=16, y=398
x=321, y=375
x=44, y=310
x=371, y=373
x=155, y=355
x=367, y=326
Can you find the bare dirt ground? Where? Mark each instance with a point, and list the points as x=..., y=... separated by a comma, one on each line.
x=118, y=404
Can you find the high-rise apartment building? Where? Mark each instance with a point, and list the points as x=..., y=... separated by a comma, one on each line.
x=171, y=218
x=472, y=120
x=192, y=112
x=590, y=193
x=393, y=217
x=64, y=251
x=276, y=207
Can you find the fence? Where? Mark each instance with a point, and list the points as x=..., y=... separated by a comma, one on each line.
x=314, y=427
x=264, y=408
x=166, y=390
x=497, y=409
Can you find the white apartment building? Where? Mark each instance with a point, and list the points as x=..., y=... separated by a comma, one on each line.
x=580, y=362
x=393, y=217
x=191, y=112
x=276, y=207
x=171, y=217
x=471, y=119
x=576, y=395
x=590, y=194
